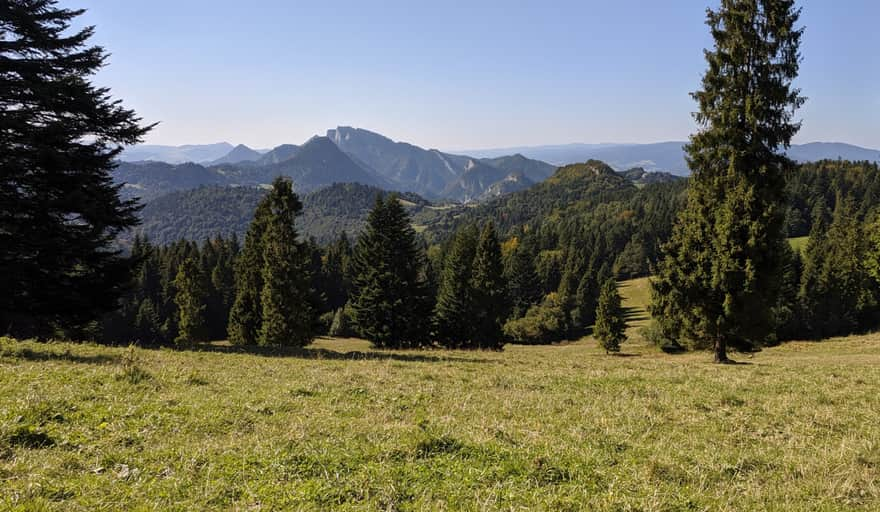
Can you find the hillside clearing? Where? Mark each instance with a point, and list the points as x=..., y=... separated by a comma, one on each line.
x=340, y=426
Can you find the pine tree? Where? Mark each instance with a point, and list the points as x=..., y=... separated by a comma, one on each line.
x=523, y=283
x=59, y=208
x=246, y=313
x=719, y=278
x=872, y=258
x=610, y=327
x=287, y=313
x=390, y=304
x=190, y=298
x=490, y=290
x=454, y=315
x=837, y=294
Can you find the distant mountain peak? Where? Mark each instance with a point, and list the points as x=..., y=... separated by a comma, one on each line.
x=239, y=153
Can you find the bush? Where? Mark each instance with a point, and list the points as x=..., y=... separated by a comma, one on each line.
x=543, y=323
x=343, y=325
x=653, y=333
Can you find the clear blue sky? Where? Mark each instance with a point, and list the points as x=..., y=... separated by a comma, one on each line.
x=457, y=74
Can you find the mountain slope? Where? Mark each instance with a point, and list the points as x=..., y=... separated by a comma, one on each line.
x=240, y=153
x=320, y=162
x=149, y=180
x=278, y=154
x=471, y=185
x=534, y=170
x=670, y=157
x=410, y=167
x=815, y=151
x=176, y=154
x=513, y=182
x=204, y=212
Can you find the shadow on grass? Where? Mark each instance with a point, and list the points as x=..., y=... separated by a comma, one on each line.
x=31, y=355
x=332, y=355
x=634, y=314
x=731, y=362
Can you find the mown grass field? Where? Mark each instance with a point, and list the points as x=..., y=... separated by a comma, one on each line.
x=341, y=427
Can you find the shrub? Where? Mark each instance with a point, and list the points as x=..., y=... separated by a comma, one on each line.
x=343, y=325
x=543, y=323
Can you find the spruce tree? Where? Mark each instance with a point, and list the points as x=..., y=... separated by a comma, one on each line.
x=872, y=258
x=247, y=311
x=455, y=314
x=490, y=290
x=837, y=293
x=191, y=298
x=287, y=316
x=59, y=209
x=719, y=277
x=523, y=283
x=610, y=328
x=390, y=304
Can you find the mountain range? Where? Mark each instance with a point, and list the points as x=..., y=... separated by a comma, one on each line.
x=344, y=155
x=667, y=156
x=355, y=155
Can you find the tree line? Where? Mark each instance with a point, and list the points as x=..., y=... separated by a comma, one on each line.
x=279, y=290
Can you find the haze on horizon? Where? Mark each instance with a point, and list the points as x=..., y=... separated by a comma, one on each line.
x=488, y=74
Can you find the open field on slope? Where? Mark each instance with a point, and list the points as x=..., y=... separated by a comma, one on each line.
x=340, y=426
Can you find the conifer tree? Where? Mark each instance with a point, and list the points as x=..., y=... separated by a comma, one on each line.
x=610, y=328
x=490, y=290
x=585, y=300
x=287, y=316
x=390, y=304
x=523, y=283
x=59, y=209
x=190, y=298
x=246, y=314
x=872, y=258
x=454, y=315
x=719, y=277
x=836, y=293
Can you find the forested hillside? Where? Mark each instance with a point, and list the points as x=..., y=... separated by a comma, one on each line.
x=207, y=212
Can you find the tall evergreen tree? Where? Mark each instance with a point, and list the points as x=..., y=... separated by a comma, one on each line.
x=523, y=283
x=719, y=278
x=455, y=314
x=390, y=303
x=245, y=317
x=837, y=294
x=191, y=298
x=287, y=311
x=59, y=208
x=490, y=290
x=610, y=327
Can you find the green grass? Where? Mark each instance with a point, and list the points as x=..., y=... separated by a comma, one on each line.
x=636, y=296
x=340, y=426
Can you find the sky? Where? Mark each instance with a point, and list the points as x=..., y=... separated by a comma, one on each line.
x=456, y=74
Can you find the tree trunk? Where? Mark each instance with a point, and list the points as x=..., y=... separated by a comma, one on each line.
x=721, y=351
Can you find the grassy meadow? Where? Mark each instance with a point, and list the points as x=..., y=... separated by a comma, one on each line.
x=339, y=426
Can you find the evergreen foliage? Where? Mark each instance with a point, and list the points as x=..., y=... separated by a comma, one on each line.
x=523, y=285
x=457, y=301
x=390, y=302
x=245, y=318
x=720, y=276
x=59, y=210
x=837, y=294
x=190, y=298
x=490, y=291
x=287, y=315
x=610, y=327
